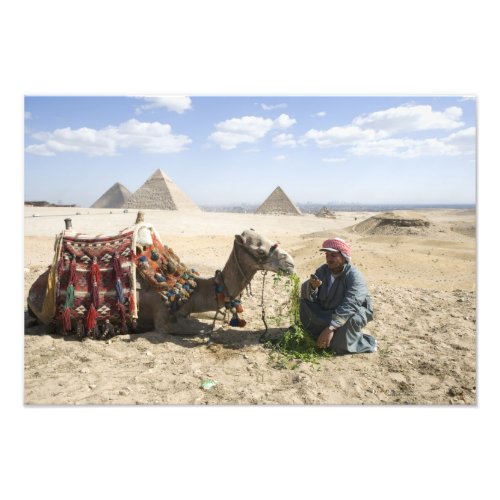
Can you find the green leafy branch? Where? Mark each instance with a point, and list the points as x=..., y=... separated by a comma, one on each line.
x=296, y=344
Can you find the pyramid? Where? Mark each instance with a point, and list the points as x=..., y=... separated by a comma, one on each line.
x=278, y=203
x=160, y=192
x=114, y=197
x=326, y=212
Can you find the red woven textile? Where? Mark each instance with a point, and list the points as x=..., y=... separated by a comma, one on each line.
x=84, y=249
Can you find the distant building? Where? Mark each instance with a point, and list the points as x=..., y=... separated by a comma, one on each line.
x=44, y=204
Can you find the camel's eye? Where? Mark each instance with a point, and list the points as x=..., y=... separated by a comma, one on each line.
x=260, y=251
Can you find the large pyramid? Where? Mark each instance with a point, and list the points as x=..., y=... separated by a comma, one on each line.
x=160, y=192
x=278, y=203
x=114, y=197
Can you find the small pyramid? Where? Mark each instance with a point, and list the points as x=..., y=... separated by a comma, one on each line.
x=278, y=203
x=161, y=193
x=114, y=197
x=326, y=212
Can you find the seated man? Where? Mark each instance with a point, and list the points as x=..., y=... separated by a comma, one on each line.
x=335, y=304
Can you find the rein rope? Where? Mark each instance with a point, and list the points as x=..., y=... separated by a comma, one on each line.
x=220, y=288
x=263, y=309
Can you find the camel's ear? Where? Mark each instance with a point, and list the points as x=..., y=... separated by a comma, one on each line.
x=239, y=238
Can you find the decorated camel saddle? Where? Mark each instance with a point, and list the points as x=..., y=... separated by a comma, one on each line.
x=91, y=288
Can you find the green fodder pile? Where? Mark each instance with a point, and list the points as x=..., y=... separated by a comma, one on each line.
x=295, y=345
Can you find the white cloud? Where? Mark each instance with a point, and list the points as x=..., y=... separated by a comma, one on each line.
x=410, y=118
x=456, y=144
x=27, y=115
x=179, y=104
x=273, y=106
x=464, y=140
x=284, y=121
x=339, y=136
x=373, y=134
x=333, y=160
x=152, y=137
x=280, y=157
x=284, y=140
x=39, y=150
x=319, y=113
x=247, y=129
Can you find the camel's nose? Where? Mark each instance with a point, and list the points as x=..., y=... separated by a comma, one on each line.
x=288, y=265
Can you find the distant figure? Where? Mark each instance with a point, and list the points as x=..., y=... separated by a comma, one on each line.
x=335, y=303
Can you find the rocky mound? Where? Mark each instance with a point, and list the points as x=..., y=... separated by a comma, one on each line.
x=399, y=222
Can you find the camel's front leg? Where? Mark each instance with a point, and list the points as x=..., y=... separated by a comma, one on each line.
x=160, y=319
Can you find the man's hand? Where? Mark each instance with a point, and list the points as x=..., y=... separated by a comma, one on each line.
x=325, y=337
x=314, y=282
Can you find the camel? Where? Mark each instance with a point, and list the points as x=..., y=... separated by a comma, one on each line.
x=251, y=252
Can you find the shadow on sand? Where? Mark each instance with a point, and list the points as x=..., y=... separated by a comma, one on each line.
x=186, y=332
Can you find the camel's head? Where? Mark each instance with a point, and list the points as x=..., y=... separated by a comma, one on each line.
x=265, y=255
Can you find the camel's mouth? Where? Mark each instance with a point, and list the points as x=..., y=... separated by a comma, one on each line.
x=287, y=268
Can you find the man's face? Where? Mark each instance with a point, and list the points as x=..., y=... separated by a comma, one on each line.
x=335, y=261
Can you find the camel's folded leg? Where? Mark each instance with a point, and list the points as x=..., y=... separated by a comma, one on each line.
x=160, y=319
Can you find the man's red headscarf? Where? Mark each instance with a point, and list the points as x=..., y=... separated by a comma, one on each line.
x=337, y=245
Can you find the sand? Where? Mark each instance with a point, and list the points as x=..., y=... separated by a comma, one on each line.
x=422, y=280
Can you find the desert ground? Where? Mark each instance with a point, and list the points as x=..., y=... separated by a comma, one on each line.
x=422, y=280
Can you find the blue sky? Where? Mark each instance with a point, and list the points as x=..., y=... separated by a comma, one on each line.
x=233, y=150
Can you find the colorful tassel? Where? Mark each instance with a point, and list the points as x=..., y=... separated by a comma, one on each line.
x=66, y=319
x=131, y=303
x=94, y=294
x=72, y=272
x=117, y=266
x=119, y=291
x=95, y=281
x=70, y=296
x=66, y=316
x=236, y=304
x=123, y=316
x=91, y=320
x=95, y=272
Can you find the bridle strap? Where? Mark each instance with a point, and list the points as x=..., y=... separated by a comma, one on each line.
x=259, y=260
x=240, y=269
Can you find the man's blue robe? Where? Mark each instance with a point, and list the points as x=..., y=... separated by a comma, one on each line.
x=346, y=303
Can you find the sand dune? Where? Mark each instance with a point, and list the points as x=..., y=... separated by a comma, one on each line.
x=423, y=282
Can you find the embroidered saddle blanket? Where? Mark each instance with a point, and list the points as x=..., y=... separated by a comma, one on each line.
x=93, y=279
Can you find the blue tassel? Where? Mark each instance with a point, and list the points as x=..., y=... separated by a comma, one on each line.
x=119, y=291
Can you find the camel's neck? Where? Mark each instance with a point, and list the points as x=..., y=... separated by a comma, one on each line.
x=237, y=273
